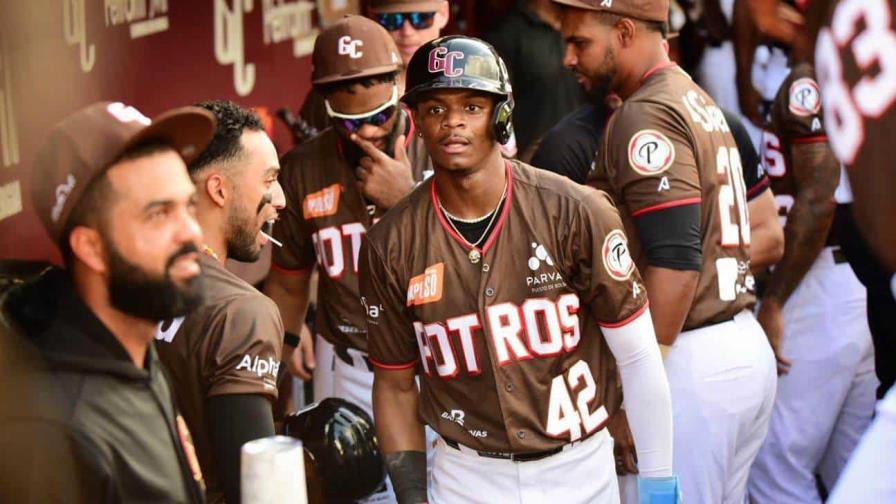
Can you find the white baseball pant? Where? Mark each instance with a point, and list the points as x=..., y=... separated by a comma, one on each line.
x=722, y=379
x=869, y=475
x=584, y=472
x=322, y=382
x=825, y=403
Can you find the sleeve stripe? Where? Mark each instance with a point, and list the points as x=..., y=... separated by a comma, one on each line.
x=759, y=187
x=631, y=318
x=810, y=139
x=668, y=204
x=392, y=367
x=287, y=271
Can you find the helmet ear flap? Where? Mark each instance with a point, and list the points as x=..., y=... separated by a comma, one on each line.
x=501, y=120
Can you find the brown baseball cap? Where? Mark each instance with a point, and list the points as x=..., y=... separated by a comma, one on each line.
x=645, y=10
x=382, y=6
x=353, y=47
x=84, y=144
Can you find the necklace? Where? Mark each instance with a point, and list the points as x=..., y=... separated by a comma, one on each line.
x=474, y=254
x=208, y=250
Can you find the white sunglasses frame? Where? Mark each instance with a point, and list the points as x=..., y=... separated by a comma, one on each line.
x=392, y=102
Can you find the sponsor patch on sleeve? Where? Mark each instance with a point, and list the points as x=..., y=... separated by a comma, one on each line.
x=427, y=286
x=617, y=261
x=805, y=99
x=650, y=152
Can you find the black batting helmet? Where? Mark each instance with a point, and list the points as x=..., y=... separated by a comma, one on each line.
x=458, y=62
x=339, y=438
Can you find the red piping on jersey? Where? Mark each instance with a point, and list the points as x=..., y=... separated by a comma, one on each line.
x=668, y=204
x=631, y=318
x=756, y=189
x=494, y=234
x=392, y=367
x=656, y=68
x=287, y=271
x=811, y=139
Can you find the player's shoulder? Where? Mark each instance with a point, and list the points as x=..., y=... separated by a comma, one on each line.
x=319, y=147
x=399, y=220
x=550, y=188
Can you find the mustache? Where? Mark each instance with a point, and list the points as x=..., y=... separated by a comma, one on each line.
x=186, y=249
x=265, y=200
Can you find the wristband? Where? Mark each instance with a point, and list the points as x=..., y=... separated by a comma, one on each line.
x=291, y=339
x=659, y=490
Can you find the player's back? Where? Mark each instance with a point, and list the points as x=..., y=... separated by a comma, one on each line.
x=669, y=145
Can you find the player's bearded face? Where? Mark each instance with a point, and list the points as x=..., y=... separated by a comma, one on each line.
x=151, y=296
x=243, y=225
x=589, y=53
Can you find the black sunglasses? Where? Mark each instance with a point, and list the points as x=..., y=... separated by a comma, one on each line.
x=394, y=20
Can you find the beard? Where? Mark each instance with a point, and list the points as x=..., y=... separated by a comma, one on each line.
x=242, y=234
x=602, y=83
x=138, y=293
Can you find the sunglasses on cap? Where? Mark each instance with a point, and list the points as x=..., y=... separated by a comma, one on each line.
x=376, y=117
x=392, y=21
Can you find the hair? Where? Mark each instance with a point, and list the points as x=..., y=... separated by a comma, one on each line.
x=610, y=19
x=329, y=88
x=92, y=208
x=225, y=145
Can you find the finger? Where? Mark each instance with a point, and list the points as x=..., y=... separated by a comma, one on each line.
x=628, y=462
x=367, y=147
x=367, y=163
x=401, y=154
x=297, y=368
x=310, y=361
x=362, y=173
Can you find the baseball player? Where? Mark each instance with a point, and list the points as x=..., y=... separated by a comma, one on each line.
x=669, y=161
x=337, y=185
x=224, y=357
x=517, y=313
x=813, y=311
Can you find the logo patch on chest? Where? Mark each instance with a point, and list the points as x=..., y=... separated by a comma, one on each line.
x=427, y=286
x=321, y=203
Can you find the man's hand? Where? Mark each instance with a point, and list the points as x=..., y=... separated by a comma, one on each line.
x=301, y=362
x=771, y=319
x=624, y=446
x=750, y=102
x=382, y=179
x=776, y=19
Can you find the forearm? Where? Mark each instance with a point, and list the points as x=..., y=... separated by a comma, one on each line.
x=648, y=404
x=805, y=233
x=400, y=434
x=745, y=37
x=234, y=420
x=766, y=233
x=290, y=294
x=671, y=293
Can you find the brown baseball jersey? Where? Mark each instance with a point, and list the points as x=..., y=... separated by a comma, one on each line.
x=325, y=221
x=856, y=67
x=795, y=118
x=669, y=145
x=507, y=339
x=230, y=345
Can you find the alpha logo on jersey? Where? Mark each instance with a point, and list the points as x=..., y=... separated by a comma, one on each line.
x=427, y=286
x=805, y=100
x=350, y=47
x=260, y=367
x=650, y=152
x=321, y=203
x=442, y=60
x=616, y=258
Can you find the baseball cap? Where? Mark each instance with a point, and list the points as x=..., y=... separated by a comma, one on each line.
x=645, y=10
x=382, y=6
x=353, y=47
x=84, y=144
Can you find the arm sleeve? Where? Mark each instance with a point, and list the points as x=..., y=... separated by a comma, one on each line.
x=671, y=237
x=297, y=252
x=391, y=338
x=648, y=404
x=796, y=110
x=650, y=159
x=245, y=357
x=604, y=274
x=234, y=420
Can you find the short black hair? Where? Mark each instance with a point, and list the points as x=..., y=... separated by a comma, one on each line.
x=347, y=85
x=92, y=208
x=225, y=145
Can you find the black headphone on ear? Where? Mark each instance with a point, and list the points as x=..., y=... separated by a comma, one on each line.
x=502, y=118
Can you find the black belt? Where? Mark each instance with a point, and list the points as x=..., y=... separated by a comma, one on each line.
x=344, y=356
x=839, y=256
x=515, y=457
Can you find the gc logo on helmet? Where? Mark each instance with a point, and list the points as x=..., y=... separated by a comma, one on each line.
x=457, y=62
